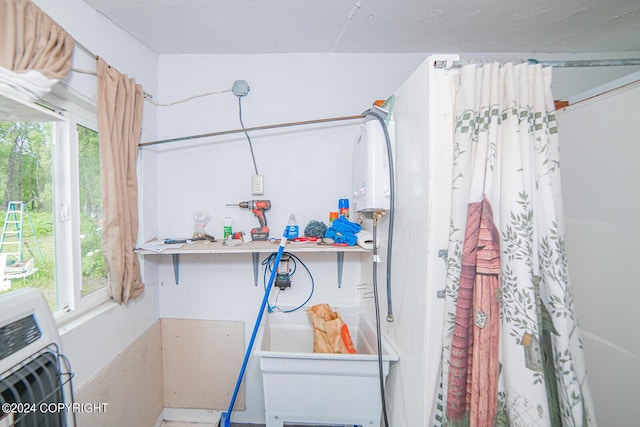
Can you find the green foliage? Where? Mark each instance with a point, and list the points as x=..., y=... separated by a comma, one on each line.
x=42, y=222
x=89, y=171
x=93, y=264
x=25, y=163
x=26, y=175
x=44, y=278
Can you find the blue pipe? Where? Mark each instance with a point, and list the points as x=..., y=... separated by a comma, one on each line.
x=225, y=417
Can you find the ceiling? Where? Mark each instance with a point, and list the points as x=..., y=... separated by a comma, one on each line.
x=377, y=26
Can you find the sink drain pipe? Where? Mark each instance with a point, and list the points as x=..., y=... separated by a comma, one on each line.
x=225, y=417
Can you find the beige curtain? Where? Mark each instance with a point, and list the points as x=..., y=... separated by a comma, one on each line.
x=31, y=40
x=119, y=124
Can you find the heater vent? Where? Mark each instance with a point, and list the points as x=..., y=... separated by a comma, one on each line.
x=32, y=391
x=17, y=335
x=35, y=377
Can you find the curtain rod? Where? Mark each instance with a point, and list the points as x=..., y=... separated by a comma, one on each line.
x=559, y=64
x=147, y=96
x=265, y=127
x=85, y=49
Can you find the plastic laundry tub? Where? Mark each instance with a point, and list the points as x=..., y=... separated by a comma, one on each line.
x=305, y=387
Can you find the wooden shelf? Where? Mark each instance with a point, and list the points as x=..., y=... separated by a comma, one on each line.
x=249, y=247
x=254, y=248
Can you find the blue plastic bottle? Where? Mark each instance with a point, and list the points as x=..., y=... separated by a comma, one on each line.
x=292, y=228
x=343, y=207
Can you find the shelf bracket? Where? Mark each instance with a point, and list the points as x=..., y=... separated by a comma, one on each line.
x=176, y=266
x=256, y=266
x=340, y=256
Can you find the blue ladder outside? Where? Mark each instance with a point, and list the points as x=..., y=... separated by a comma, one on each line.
x=11, y=240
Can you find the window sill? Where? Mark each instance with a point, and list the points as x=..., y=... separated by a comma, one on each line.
x=70, y=320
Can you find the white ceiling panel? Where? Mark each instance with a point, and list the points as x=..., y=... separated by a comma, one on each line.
x=369, y=26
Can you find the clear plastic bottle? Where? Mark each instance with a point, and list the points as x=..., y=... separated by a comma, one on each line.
x=292, y=227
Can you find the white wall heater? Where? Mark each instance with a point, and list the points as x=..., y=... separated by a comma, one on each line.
x=35, y=377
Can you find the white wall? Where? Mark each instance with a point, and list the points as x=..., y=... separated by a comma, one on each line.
x=423, y=124
x=600, y=154
x=93, y=344
x=306, y=170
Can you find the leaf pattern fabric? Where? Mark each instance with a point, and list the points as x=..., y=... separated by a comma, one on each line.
x=506, y=163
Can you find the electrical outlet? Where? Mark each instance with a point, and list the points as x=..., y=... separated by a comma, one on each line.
x=257, y=185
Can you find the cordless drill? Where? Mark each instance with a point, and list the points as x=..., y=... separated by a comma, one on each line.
x=257, y=207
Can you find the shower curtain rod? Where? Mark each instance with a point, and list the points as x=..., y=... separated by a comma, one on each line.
x=559, y=64
x=265, y=127
x=446, y=64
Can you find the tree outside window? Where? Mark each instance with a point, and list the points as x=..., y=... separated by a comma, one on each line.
x=27, y=177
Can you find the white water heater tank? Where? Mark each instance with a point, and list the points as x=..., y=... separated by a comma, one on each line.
x=371, y=184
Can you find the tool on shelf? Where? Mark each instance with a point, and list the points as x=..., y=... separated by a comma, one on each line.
x=258, y=207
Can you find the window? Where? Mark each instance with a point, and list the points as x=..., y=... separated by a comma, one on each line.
x=94, y=270
x=51, y=201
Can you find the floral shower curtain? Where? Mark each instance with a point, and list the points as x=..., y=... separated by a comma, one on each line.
x=512, y=353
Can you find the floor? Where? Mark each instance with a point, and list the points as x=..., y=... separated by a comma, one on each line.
x=186, y=424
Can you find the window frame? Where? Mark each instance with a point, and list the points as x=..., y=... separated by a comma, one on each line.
x=75, y=110
x=65, y=109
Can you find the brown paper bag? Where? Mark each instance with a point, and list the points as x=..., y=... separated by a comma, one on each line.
x=330, y=333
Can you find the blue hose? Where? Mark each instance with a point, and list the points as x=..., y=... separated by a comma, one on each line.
x=225, y=417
